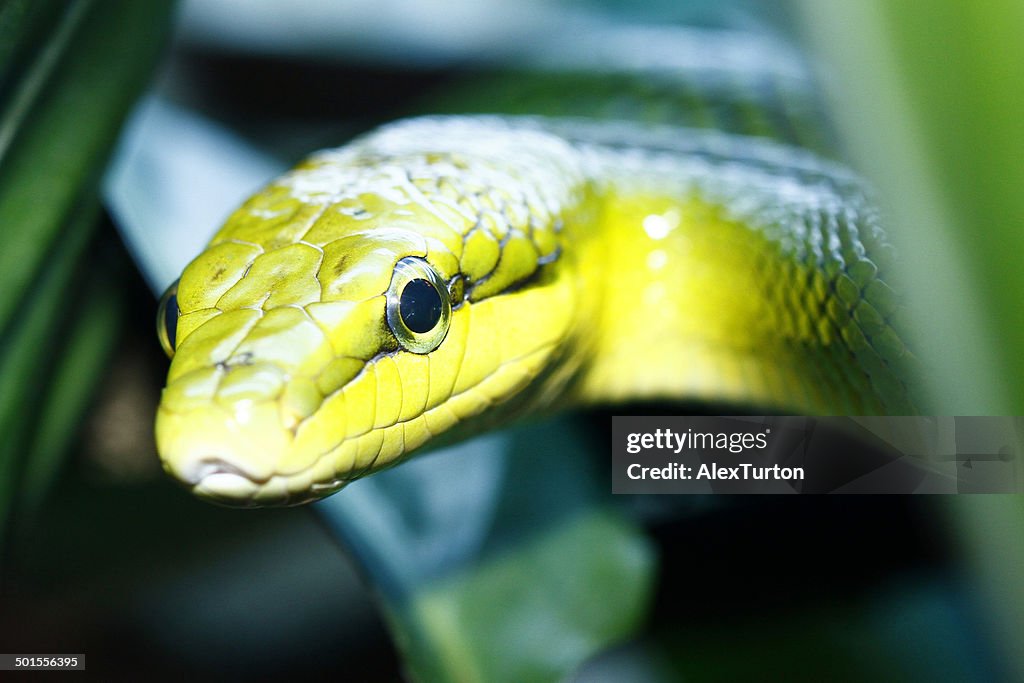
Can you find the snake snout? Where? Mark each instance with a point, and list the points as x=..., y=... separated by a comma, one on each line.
x=222, y=438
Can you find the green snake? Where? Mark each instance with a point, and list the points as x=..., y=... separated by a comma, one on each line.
x=443, y=275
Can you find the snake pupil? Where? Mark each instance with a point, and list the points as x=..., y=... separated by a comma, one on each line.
x=420, y=306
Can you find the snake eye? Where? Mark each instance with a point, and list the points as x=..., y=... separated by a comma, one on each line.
x=167, y=319
x=419, y=308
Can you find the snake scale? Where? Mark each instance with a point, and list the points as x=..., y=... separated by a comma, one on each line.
x=445, y=274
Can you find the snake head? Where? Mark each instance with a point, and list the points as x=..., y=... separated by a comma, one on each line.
x=328, y=331
x=281, y=387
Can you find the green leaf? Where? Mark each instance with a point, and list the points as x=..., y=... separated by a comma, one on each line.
x=25, y=354
x=536, y=612
x=58, y=119
x=76, y=373
x=69, y=71
x=930, y=100
x=926, y=98
x=501, y=559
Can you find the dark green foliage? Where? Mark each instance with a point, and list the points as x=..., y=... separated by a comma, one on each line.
x=69, y=71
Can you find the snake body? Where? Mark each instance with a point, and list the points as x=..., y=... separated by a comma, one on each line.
x=575, y=262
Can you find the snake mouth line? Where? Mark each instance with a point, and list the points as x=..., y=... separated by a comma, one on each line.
x=218, y=479
x=211, y=467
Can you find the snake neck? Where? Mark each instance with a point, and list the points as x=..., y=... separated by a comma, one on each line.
x=757, y=282
x=693, y=267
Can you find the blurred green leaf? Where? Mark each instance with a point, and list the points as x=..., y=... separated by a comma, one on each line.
x=536, y=613
x=68, y=73
x=27, y=350
x=59, y=117
x=501, y=559
x=930, y=100
x=77, y=371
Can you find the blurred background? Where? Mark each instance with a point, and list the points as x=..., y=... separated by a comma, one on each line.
x=129, y=130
